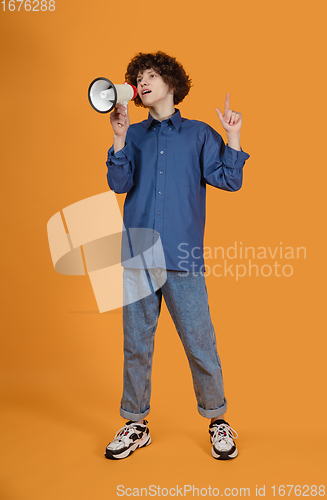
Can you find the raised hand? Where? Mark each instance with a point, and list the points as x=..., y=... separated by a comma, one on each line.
x=231, y=120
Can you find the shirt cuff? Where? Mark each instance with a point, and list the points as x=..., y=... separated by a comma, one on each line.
x=234, y=158
x=122, y=154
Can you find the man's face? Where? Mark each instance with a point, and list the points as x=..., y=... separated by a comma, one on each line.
x=152, y=89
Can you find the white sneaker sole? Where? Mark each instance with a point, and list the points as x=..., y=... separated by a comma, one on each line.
x=224, y=455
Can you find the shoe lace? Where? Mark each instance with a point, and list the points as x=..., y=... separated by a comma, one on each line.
x=223, y=431
x=125, y=431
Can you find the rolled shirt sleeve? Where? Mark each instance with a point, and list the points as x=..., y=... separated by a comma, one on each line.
x=222, y=166
x=120, y=170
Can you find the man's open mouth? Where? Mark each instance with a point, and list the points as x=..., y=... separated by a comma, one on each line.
x=146, y=92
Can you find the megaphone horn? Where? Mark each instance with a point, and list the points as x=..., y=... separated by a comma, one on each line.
x=104, y=95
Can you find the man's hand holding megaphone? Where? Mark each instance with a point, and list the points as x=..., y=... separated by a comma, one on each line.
x=105, y=96
x=119, y=119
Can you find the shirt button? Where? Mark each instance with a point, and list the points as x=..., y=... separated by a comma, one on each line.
x=161, y=152
x=161, y=172
x=170, y=128
x=159, y=213
x=160, y=192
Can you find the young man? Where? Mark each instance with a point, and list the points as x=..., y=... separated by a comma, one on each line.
x=163, y=164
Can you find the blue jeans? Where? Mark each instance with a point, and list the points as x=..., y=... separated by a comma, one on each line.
x=185, y=294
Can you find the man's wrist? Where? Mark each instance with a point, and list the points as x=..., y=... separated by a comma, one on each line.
x=234, y=140
x=119, y=142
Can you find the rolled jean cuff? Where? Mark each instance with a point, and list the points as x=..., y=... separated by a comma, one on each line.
x=135, y=417
x=213, y=413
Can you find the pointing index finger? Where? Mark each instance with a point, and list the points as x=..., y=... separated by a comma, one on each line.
x=226, y=105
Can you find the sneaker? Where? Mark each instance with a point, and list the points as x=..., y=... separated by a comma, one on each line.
x=128, y=439
x=221, y=436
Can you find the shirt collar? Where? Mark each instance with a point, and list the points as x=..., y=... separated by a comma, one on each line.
x=175, y=120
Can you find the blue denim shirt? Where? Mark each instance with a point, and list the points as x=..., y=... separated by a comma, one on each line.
x=164, y=168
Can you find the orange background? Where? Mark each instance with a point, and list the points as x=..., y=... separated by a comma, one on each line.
x=61, y=360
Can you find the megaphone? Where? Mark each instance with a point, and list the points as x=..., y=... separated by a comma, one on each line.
x=104, y=95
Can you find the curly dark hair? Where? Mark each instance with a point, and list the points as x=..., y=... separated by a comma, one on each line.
x=170, y=70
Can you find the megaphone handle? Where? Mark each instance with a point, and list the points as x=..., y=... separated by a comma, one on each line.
x=124, y=103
